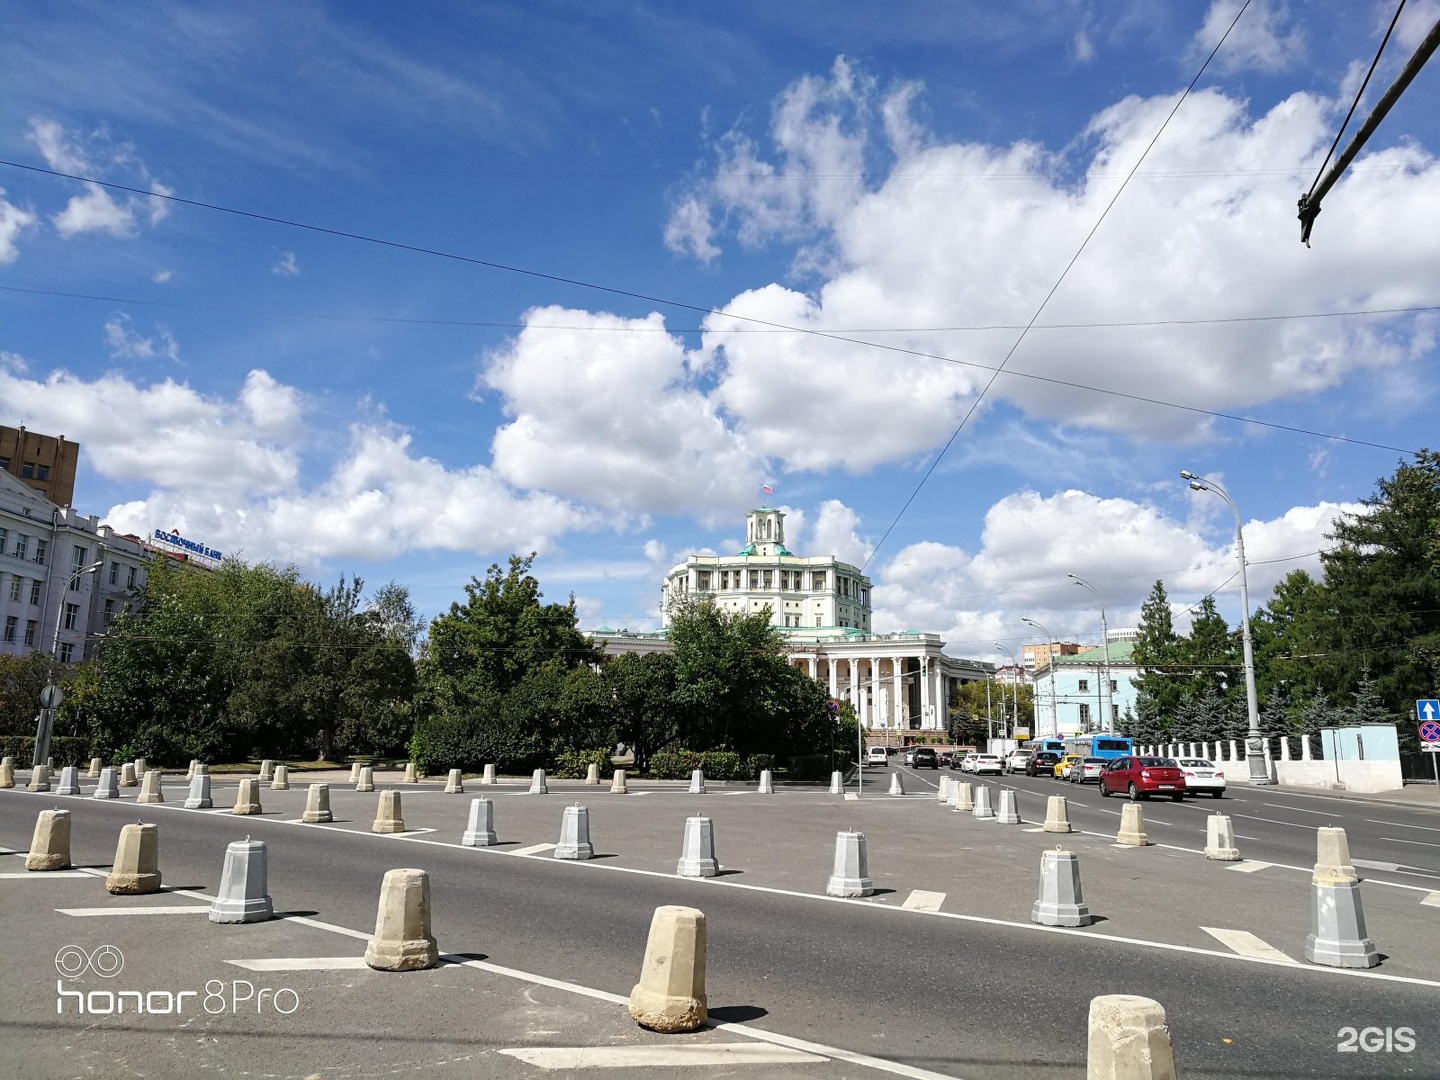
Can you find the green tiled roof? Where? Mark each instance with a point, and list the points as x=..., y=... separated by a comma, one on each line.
x=1121, y=652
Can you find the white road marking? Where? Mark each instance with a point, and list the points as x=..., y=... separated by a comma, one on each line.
x=1275, y=821
x=188, y=909
x=1431, y=899
x=1401, y=825
x=1041, y=829
x=1370, y=864
x=1247, y=944
x=1417, y=843
x=535, y=849
x=635, y=1057
x=1247, y=867
x=42, y=875
x=1299, y=810
x=850, y=796
x=920, y=900
x=302, y=963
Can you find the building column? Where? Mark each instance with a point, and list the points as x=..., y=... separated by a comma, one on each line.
x=855, y=692
x=897, y=695
x=924, y=676
x=834, y=680
x=814, y=666
x=875, y=693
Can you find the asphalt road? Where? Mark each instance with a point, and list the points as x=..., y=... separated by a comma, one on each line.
x=958, y=998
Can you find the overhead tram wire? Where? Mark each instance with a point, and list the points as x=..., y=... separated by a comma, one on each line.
x=773, y=328
x=980, y=397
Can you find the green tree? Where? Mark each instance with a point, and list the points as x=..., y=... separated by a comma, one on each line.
x=643, y=710
x=1162, y=681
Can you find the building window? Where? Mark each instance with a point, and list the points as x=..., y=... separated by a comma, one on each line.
x=817, y=582
x=4, y=538
x=22, y=545
x=42, y=473
x=1114, y=713
x=1113, y=686
x=27, y=470
x=30, y=632
x=40, y=546
x=1084, y=716
x=71, y=612
x=768, y=577
x=109, y=611
x=702, y=579
x=754, y=579
x=1084, y=689
x=35, y=592
x=16, y=585
x=67, y=652
x=11, y=622
x=114, y=573
x=817, y=621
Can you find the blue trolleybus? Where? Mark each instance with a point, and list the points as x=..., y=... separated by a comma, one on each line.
x=1101, y=745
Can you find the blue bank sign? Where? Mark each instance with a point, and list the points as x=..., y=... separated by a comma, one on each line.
x=192, y=547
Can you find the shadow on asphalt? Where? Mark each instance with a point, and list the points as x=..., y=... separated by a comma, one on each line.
x=737, y=1014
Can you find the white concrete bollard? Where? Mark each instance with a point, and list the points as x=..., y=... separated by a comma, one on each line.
x=964, y=797
x=8, y=759
x=1128, y=1040
x=488, y=775
x=1220, y=839
x=317, y=806
x=412, y=775
x=697, y=782
x=981, y=808
x=1060, y=902
x=1337, y=935
x=1008, y=813
x=455, y=783
x=267, y=771
x=190, y=771
x=697, y=854
x=50, y=843
x=354, y=772
x=69, y=781
x=137, y=861
x=247, y=797
x=198, y=798
x=897, y=786
x=592, y=775
x=402, y=940
x=942, y=793
x=93, y=773
x=575, y=834
x=837, y=783
x=670, y=996
x=537, y=783
x=281, y=781
x=243, y=896
x=1284, y=748
x=367, y=779
x=1305, y=748
x=141, y=767
x=388, y=816
x=150, y=791
x=127, y=775
x=480, y=830
x=1057, y=814
x=766, y=785
x=618, y=785
x=1132, y=827
x=39, y=779
x=108, y=787
x=7, y=775
x=850, y=873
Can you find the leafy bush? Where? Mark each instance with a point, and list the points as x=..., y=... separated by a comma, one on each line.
x=65, y=749
x=574, y=764
x=755, y=764
x=716, y=764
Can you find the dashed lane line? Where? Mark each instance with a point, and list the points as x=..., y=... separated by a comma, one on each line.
x=1401, y=825
x=302, y=963
x=43, y=875
x=1247, y=944
x=551, y=1058
x=86, y=912
x=920, y=900
x=1431, y=899
x=1249, y=866
x=534, y=849
x=1417, y=843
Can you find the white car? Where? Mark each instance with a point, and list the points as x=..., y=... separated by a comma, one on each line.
x=1016, y=760
x=876, y=755
x=988, y=763
x=967, y=763
x=1202, y=775
x=909, y=757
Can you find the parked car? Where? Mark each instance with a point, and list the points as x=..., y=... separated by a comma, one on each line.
x=1065, y=764
x=926, y=758
x=1141, y=777
x=877, y=755
x=1088, y=769
x=1202, y=775
x=967, y=763
x=909, y=757
x=988, y=763
x=1016, y=760
x=1042, y=763
x=947, y=759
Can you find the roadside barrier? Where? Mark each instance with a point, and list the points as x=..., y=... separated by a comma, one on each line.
x=575, y=834
x=402, y=940
x=50, y=844
x=1057, y=814
x=1220, y=839
x=388, y=816
x=1337, y=935
x=1132, y=827
x=670, y=996
x=198, y=797
x=247, y=797
x=317, y=806
x=243, y=896
x=850, y=875
x=480, y=830
x=136, y=869
x=150, y=788
x=697, y=856
x=1129, y=1040
x=1061, y=902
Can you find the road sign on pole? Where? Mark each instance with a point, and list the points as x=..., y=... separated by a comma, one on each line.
x=1430, y=732
x=1428, y=708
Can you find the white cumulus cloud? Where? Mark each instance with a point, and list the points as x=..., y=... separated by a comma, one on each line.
x=13, y=221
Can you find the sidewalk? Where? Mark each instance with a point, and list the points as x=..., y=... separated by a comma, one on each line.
x=1420, y=796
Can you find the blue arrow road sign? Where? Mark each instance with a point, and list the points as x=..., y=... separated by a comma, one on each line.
x=1428, y=709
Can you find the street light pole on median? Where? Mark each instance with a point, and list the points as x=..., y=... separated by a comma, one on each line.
x=1254, y=754
x=1049, y=663
x=1102, y=722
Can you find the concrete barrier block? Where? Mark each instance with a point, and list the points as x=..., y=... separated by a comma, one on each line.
x=93, y=773
x=69, y=781
x=150, y=791
x=402, y=940
x=575, y=834
x=488, y=776
x=281, y=781
x=108, y=787
x=388, y=817
x=354, y=772
x=141, y=767
x=767, y=783
x=1060, y=902
x=670, y=996
x=8, y=759
x=618, y=785
x=243, y=896
x=127, y=775
x=982, y=808
x=1129, y=1040
x=1132, y=826
x=1338, y=937
x=7, y=775
x=267, y=771
x=137, y=861
x=697, y=782
x=247, y=797
x=850, y=874
x=1009, y=811
x=964, y=797
x=537, y=783
x=198, y=797
x=367, y=779
x=50, y=843
x=39, y=779
x=942, y=792
x=412, y=775
x=1332, y=858
x=592, y=775
x=317, y=806
x=697, y=855
x=1057, y=814
x=1220, y=839
x=455, y=783
x=190, y=771
x=837, y=783
x=480, y=830
x=897, y=786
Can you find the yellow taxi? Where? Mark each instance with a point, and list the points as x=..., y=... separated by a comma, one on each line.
x=1063, y=766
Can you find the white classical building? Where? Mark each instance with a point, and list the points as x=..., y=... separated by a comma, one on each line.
x=896, y=682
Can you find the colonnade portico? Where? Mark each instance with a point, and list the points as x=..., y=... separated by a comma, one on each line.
x=896, y=681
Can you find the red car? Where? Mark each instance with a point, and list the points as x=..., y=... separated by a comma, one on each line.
x=1141, y=777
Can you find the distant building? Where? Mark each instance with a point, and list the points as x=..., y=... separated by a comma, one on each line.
x=1037, y=657
x=43, y=463
x=1084, y=692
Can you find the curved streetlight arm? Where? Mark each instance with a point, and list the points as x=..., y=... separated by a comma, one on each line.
x=1050, y=665
x=1102, y=722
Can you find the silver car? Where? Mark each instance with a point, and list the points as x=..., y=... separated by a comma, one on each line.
x=1016, y=760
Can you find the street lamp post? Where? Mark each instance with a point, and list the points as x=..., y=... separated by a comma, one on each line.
x=47, y=714
x=1254, y=752
x=1049, y=663
x=1014, y=692
x=1103, y=722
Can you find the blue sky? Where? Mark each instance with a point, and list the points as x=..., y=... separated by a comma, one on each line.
x=893, y=179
